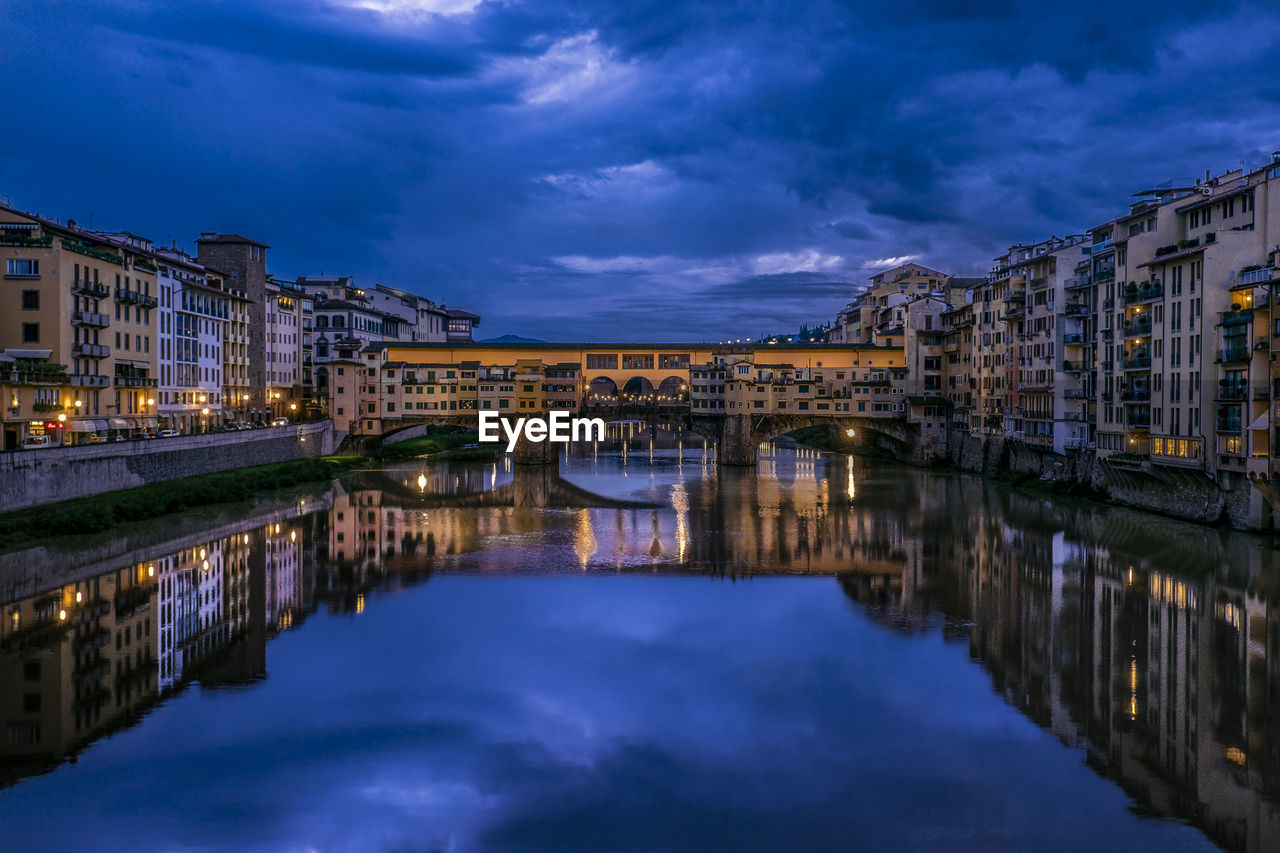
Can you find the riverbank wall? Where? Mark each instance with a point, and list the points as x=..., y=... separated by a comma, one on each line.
x=1230, y=498
x=32, y=478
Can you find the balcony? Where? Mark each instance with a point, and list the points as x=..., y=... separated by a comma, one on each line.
x=1104, y=274
x=1136, y=395
x=1145, y=293
x=1101, y=246
x=89, y=288
x=1073, y=366
x=1138, y=328
x=1228, y=427
x=1234, y=355
x=1235, y=318
x=1037, y=283
x=20, y=376
x=90, y=351
x=1079, y=283
x=1139, y=422
x=89, y=380
x=1137, y=362
x=89, y=318
x=1259, y=276
x=1074, y=394
x=1108, y=304
x=1077, y=311
x=135, y=297
x=1232, y=391
x=134, y=382
x=1073, y=339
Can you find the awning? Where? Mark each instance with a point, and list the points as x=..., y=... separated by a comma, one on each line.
x=118, y=423
x=149, y=423
x=28, y=353
x=1263, y=422
x=81, y=426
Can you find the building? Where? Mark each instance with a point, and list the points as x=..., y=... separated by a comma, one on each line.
x=78, y=305
x=193, y=314
x=243, y=262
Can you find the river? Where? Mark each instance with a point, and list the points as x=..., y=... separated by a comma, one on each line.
x=643, y=651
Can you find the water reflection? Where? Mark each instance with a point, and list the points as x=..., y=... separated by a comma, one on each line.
x=1149, y=645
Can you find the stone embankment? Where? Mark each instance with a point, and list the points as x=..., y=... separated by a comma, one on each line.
x=31, y=478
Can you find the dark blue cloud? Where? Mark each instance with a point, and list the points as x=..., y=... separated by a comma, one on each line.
x=569, y=166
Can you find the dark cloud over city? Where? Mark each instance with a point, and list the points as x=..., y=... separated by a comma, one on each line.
x=633, y=170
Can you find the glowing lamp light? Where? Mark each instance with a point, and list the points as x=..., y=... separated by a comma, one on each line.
x=422, y=482
x=851, y=432
x=62, y=615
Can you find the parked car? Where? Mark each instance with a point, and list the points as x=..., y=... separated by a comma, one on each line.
x=36, y=442
x=95, y=438
x=280, y=422
x=168, y=433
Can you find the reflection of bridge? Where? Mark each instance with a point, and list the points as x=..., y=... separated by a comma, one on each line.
x=535, y=487
x=736, y=437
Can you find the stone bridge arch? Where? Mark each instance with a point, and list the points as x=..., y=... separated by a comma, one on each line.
x=602, y=389
x=638, y=386
x=673, y=387
x=742, y=435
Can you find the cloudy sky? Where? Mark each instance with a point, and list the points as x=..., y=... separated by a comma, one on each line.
x=624, y=170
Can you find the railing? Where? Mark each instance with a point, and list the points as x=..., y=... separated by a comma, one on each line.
x=1138, y=328
x=89, y=318
x=34, y=377
x=89, y=380
x=1234, y=355
x=135, y=296
x=1145, y=293
x=1233, y=391
x=1077, y=311
x=1073, y=338
x=135, y=382
x=89, y=288
x=1136, y=395
x=1229, y=427
x=1137, y=362
x=90, y=351
x=1261, y=276
x=1139, y=423
x=1079, y=282
x=1074, y=394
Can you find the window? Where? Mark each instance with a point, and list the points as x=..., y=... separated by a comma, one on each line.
x=24, y=267
x=30, y=333
x=30, y=300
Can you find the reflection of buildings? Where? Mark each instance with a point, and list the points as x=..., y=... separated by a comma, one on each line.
x=74, y=662
x=81, y=660
x=1152, y=645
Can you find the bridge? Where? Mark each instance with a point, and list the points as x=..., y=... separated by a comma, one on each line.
x=738, y=395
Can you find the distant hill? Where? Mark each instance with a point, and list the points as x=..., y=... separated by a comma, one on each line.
x=512, y=339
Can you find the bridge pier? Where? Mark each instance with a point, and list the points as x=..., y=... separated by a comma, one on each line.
x=737, y=441
x=535, y=452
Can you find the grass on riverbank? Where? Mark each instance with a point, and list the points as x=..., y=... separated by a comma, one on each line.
x=101, y=512
x=442, y=442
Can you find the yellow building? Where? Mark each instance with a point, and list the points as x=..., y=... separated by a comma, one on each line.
x=81, y=304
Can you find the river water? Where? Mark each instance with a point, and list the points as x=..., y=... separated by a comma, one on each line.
x=640, y=651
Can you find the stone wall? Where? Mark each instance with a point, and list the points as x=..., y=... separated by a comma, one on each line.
x=1187, y=494
x=34, y=477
